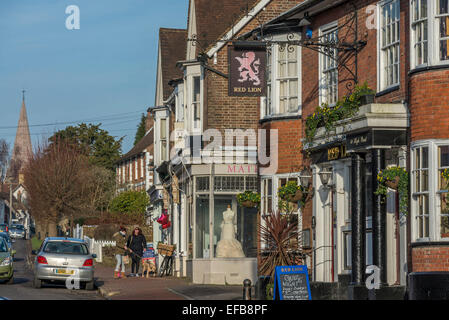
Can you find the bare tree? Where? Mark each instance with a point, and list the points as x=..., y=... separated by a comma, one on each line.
x=4, y=158
x=63, y=185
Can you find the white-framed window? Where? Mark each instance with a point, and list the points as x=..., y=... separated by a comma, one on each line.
x=389, y=40
x=180, y=104
x=429, y=32
x=267, y=195
x=135, y=169
x=163, y=139
x=420, y=190
x=196, y=102
x=283, y=81
x=442, y=15
x=142, y=165
x=420, y=33
x=429, y=202
x=328, y=67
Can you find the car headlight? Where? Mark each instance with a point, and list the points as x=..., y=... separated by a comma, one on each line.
x=6, y=262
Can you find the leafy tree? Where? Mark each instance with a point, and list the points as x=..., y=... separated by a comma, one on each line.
x=141, y=130
x=130, y=202
x=103, y=149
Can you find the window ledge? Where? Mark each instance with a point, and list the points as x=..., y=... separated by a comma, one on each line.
x=387, y=91
x=280, y=118
x=428, y=68
x=428, y=243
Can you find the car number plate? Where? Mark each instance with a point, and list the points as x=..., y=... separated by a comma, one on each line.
x=64, y=271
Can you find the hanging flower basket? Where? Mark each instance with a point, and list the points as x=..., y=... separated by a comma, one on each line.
x=296, y=197
x=393, y=184
x=249, y=204
x=248, y=199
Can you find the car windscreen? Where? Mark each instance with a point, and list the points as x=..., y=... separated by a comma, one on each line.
x=18, y=226
x=3, y=245
x=63, y=247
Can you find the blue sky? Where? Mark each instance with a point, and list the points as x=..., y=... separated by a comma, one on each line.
x=105, y=71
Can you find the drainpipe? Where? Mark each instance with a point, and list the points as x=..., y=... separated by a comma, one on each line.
x=332, y=232
x=398, y=267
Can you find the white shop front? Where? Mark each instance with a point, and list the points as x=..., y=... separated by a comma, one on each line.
x=218, y=255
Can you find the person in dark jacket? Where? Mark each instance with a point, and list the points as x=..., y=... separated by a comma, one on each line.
x=136, y=245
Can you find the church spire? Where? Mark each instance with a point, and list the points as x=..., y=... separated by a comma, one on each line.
x=22, y=144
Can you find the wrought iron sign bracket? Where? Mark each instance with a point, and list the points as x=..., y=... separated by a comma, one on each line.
x=343, y=50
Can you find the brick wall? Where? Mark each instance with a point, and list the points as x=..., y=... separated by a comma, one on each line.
x=430, y=258
x=222, y=111
x=429, y=101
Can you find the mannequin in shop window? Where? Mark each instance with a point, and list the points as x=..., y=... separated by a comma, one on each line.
x=229, y=246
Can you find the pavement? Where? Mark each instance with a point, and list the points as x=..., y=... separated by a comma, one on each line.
x=157, y=288
x=108, y=288
x=22, y=288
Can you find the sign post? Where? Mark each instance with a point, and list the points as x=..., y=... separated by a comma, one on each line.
x=291, y=283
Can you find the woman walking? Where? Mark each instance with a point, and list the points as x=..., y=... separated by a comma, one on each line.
x=119, y=252
x=136, y=245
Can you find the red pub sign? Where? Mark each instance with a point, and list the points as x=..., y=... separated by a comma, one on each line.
x=247, y=71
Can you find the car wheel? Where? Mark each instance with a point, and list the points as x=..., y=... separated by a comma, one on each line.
x=37, y=283
x=10, y=280
x=90, y=285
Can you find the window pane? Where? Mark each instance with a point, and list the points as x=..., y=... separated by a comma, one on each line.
x=444, y=156
x=196, y=89
x=444, y=221
x=425, y=157
x=423, y=9
x=163, y=129
x=444, y=54
x=425, y=180
x=443, y=6
x=202, y=228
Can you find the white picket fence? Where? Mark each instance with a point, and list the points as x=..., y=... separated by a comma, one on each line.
x=96, y=247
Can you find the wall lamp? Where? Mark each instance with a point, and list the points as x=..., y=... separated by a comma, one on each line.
x=304, y=22
x=325, y=177
x=305, y=177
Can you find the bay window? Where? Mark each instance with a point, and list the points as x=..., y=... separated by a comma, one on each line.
x=328, y=67
x=283, y=81
x=430, y=202
x=389, y=44
x=429, y=32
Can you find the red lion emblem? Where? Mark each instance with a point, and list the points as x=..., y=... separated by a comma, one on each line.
x=249, y=68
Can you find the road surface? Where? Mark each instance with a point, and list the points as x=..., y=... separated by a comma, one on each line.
x=22, y=288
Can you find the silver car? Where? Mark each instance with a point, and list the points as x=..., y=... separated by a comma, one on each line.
x=17, y=231
x=62, y=258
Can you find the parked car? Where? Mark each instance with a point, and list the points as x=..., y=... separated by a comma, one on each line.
x=6, y=262
x=17, y=231
x=59, y=258
x=3, y=227
x=6, y=236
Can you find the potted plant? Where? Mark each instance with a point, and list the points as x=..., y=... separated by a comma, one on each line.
x=249, y=199
x=395, y=178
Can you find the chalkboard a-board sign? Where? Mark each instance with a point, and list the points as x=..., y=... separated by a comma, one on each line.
x=291, y=283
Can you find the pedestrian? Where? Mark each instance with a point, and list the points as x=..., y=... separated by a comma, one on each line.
x=119, y=252
x=136, y=245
